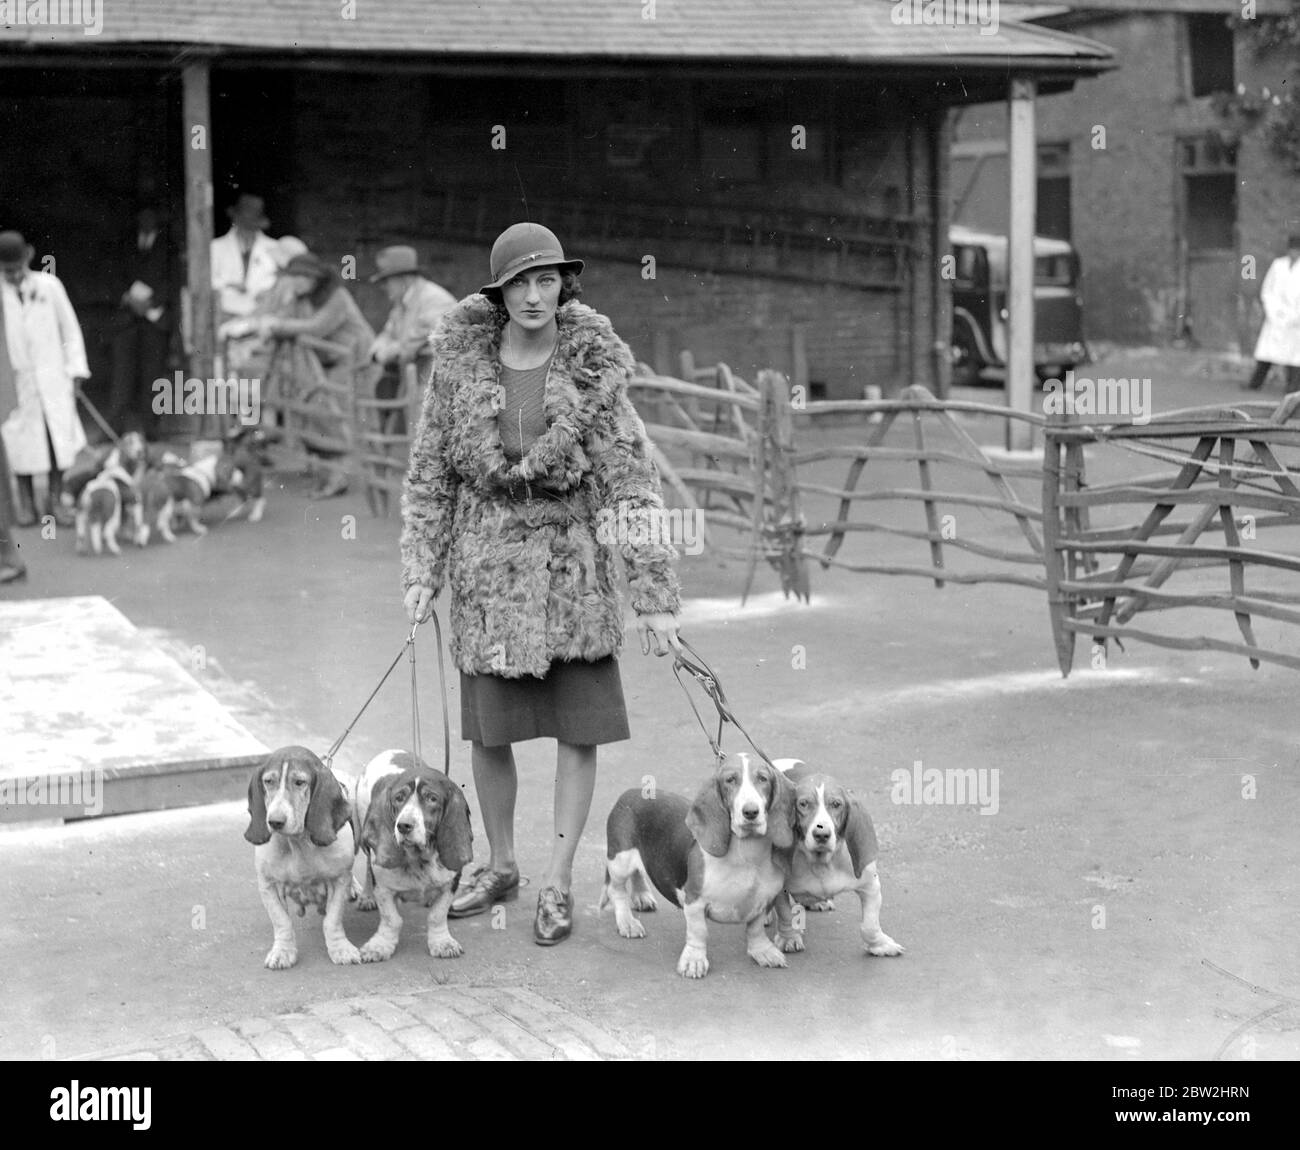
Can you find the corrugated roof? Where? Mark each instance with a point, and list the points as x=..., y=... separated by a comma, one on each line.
x=839, y=31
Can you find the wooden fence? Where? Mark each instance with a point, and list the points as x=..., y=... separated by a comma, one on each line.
x=939, y=444
x=1226, y=465
x=723, y=448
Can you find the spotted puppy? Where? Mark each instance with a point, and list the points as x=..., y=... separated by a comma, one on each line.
x=300, y=822
x=416, y=835
x=716, y=858
x=835, y=850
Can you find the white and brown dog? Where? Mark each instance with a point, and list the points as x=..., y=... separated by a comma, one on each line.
x=717, y=858
x=416, y=834
x=300, y=821
x=835, y=850
x=101, y=507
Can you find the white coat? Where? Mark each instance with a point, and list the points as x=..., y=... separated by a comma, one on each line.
x=48, y=354
x=237, y=290
x=1279, y=339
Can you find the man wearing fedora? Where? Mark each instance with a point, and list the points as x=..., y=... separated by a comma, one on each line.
x=245, y=260
x=47, y=357
x=417, y=305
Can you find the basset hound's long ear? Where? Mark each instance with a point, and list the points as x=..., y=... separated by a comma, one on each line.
x=710, y=821
x=329, y=808
x=860, y=834
x=781, y=811
x=455, y=837
x=377, y=838
x=258, y=832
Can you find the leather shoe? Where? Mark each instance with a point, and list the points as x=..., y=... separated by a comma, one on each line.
x=486, y=888
x=554, y=922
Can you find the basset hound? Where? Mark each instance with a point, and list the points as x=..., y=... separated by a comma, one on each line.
x=835, y=850
x=716, y=858
x=104, y=502
x=416, y=834
x=300, y=822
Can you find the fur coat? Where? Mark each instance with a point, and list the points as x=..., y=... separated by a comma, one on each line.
x=527, y=548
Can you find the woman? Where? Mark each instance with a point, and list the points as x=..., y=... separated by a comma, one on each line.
x=526, y=448
x=331, y=315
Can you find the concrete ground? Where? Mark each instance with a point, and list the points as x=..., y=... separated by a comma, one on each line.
x=1127, y=900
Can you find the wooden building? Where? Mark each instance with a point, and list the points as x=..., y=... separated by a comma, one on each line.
x=759, y=181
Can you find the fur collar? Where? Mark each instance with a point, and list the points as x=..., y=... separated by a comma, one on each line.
x=589, y=364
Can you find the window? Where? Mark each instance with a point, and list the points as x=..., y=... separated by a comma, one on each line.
x=1209, y=169
x=1209, y=54
x=1053, y=216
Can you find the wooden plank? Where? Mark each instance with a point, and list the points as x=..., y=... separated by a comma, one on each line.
x=1264, y=558
x=911, y=455
x=1236, y=572
x=1200, y=643
x=1059, y=602
x=1015, y=508
x=1028, y=558
x=671, y=386
x=1022, y=151
x=196, y=124
x=871, y=406
x=931, y=512
x=1037, y=583
x=1211, y=600
x=1209, y=496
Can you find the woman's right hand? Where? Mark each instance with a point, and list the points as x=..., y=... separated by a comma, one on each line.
x=419, y=598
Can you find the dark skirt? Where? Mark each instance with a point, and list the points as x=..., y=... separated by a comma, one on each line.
x=576, y=702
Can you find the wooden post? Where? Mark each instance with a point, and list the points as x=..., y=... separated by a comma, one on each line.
x=196, y=123
x=1060, y=605
x=940, y=288
x=799, y=359
x=1020, y=260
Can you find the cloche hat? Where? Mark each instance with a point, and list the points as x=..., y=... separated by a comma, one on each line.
x=523, y=246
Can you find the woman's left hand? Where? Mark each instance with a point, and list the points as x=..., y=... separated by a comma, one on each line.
x=663, y=627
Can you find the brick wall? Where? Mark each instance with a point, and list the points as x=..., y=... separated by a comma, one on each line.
x=367, y=177
x=1125, y=197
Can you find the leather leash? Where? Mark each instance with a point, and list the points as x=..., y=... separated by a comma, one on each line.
x=408, y=648
x=698, y=669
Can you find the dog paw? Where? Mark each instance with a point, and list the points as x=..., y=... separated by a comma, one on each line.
x=633, y=928
x=817, y=904
x=769, y=955
x=344, y=954
x=366, y=904
x=882, y=946
x=694, y=964
x=376, y=953
x=281, y=957
x=445, y=948
x=790, y=943
x=645, y=903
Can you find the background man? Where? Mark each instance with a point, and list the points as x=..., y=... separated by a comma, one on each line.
x=417, y=305
x=42, y=432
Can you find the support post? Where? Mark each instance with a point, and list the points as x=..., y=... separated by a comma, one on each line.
x=196, y=117
x=1022, y=150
